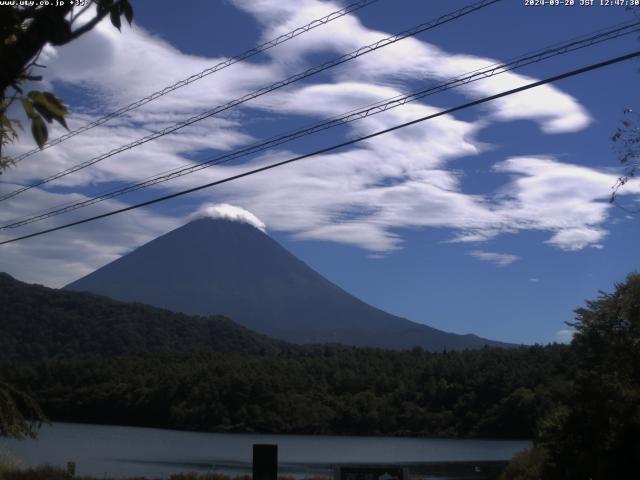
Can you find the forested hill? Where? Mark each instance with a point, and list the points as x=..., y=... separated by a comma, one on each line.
x=487, y=392
x=38, y=322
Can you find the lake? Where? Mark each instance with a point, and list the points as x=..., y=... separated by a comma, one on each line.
x=115, y=451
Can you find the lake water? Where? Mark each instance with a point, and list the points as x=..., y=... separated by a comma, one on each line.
x=114, y=451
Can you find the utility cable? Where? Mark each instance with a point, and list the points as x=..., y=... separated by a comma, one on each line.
x=378, y=107
x=208, y=71
x=262, y=91
x=334, y=147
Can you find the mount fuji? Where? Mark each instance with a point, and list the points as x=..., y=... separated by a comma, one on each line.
x=228, y=267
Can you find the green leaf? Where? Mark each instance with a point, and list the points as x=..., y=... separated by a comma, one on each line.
x=46, y=114
x=127, y=9
x=28, y=108
x=49, y=106
x=49, y=101
x=103, y=6
x=55, y=101
x=39, y=130
x=115, y=17
x=61, y=121
x=6, y=123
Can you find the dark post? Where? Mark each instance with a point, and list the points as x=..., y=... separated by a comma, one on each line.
x=265, y=462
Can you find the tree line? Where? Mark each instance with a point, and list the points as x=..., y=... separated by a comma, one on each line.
x=323, y=390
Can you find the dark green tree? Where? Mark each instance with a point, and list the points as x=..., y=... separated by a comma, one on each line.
x=20, y=415
x=597, y=433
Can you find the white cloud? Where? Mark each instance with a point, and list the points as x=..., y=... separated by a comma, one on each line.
x=363, y=195
x=60, y=257
x=228, y=212
x=499, y=259
x=534, y=280
x=411, y=58
x=121, y=67
x=577, y=238
x=569, y=200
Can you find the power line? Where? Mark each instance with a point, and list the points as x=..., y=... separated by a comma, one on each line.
x=335, y=147
x=375, y=108
x=208, y=71
x=262, y=91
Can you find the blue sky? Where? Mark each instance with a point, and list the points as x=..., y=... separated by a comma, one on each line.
x=491, y=221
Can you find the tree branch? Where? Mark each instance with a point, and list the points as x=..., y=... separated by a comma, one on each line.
x=86, y=27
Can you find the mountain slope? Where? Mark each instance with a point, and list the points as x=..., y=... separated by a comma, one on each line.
x=38, y=323
x=219, y=266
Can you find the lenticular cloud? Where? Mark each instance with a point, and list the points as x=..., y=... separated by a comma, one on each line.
x=228, y=212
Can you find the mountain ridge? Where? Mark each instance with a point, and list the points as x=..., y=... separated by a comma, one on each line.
x=219, y=266
x=38, y=322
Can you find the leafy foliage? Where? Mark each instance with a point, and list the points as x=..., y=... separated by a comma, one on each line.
x=627, y=140
x=20, y=415
x=24, y=31
x=8, y=135
x=526, y=465
x=595, y=431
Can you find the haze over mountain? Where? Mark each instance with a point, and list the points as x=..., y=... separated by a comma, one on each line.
x=229, y=266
